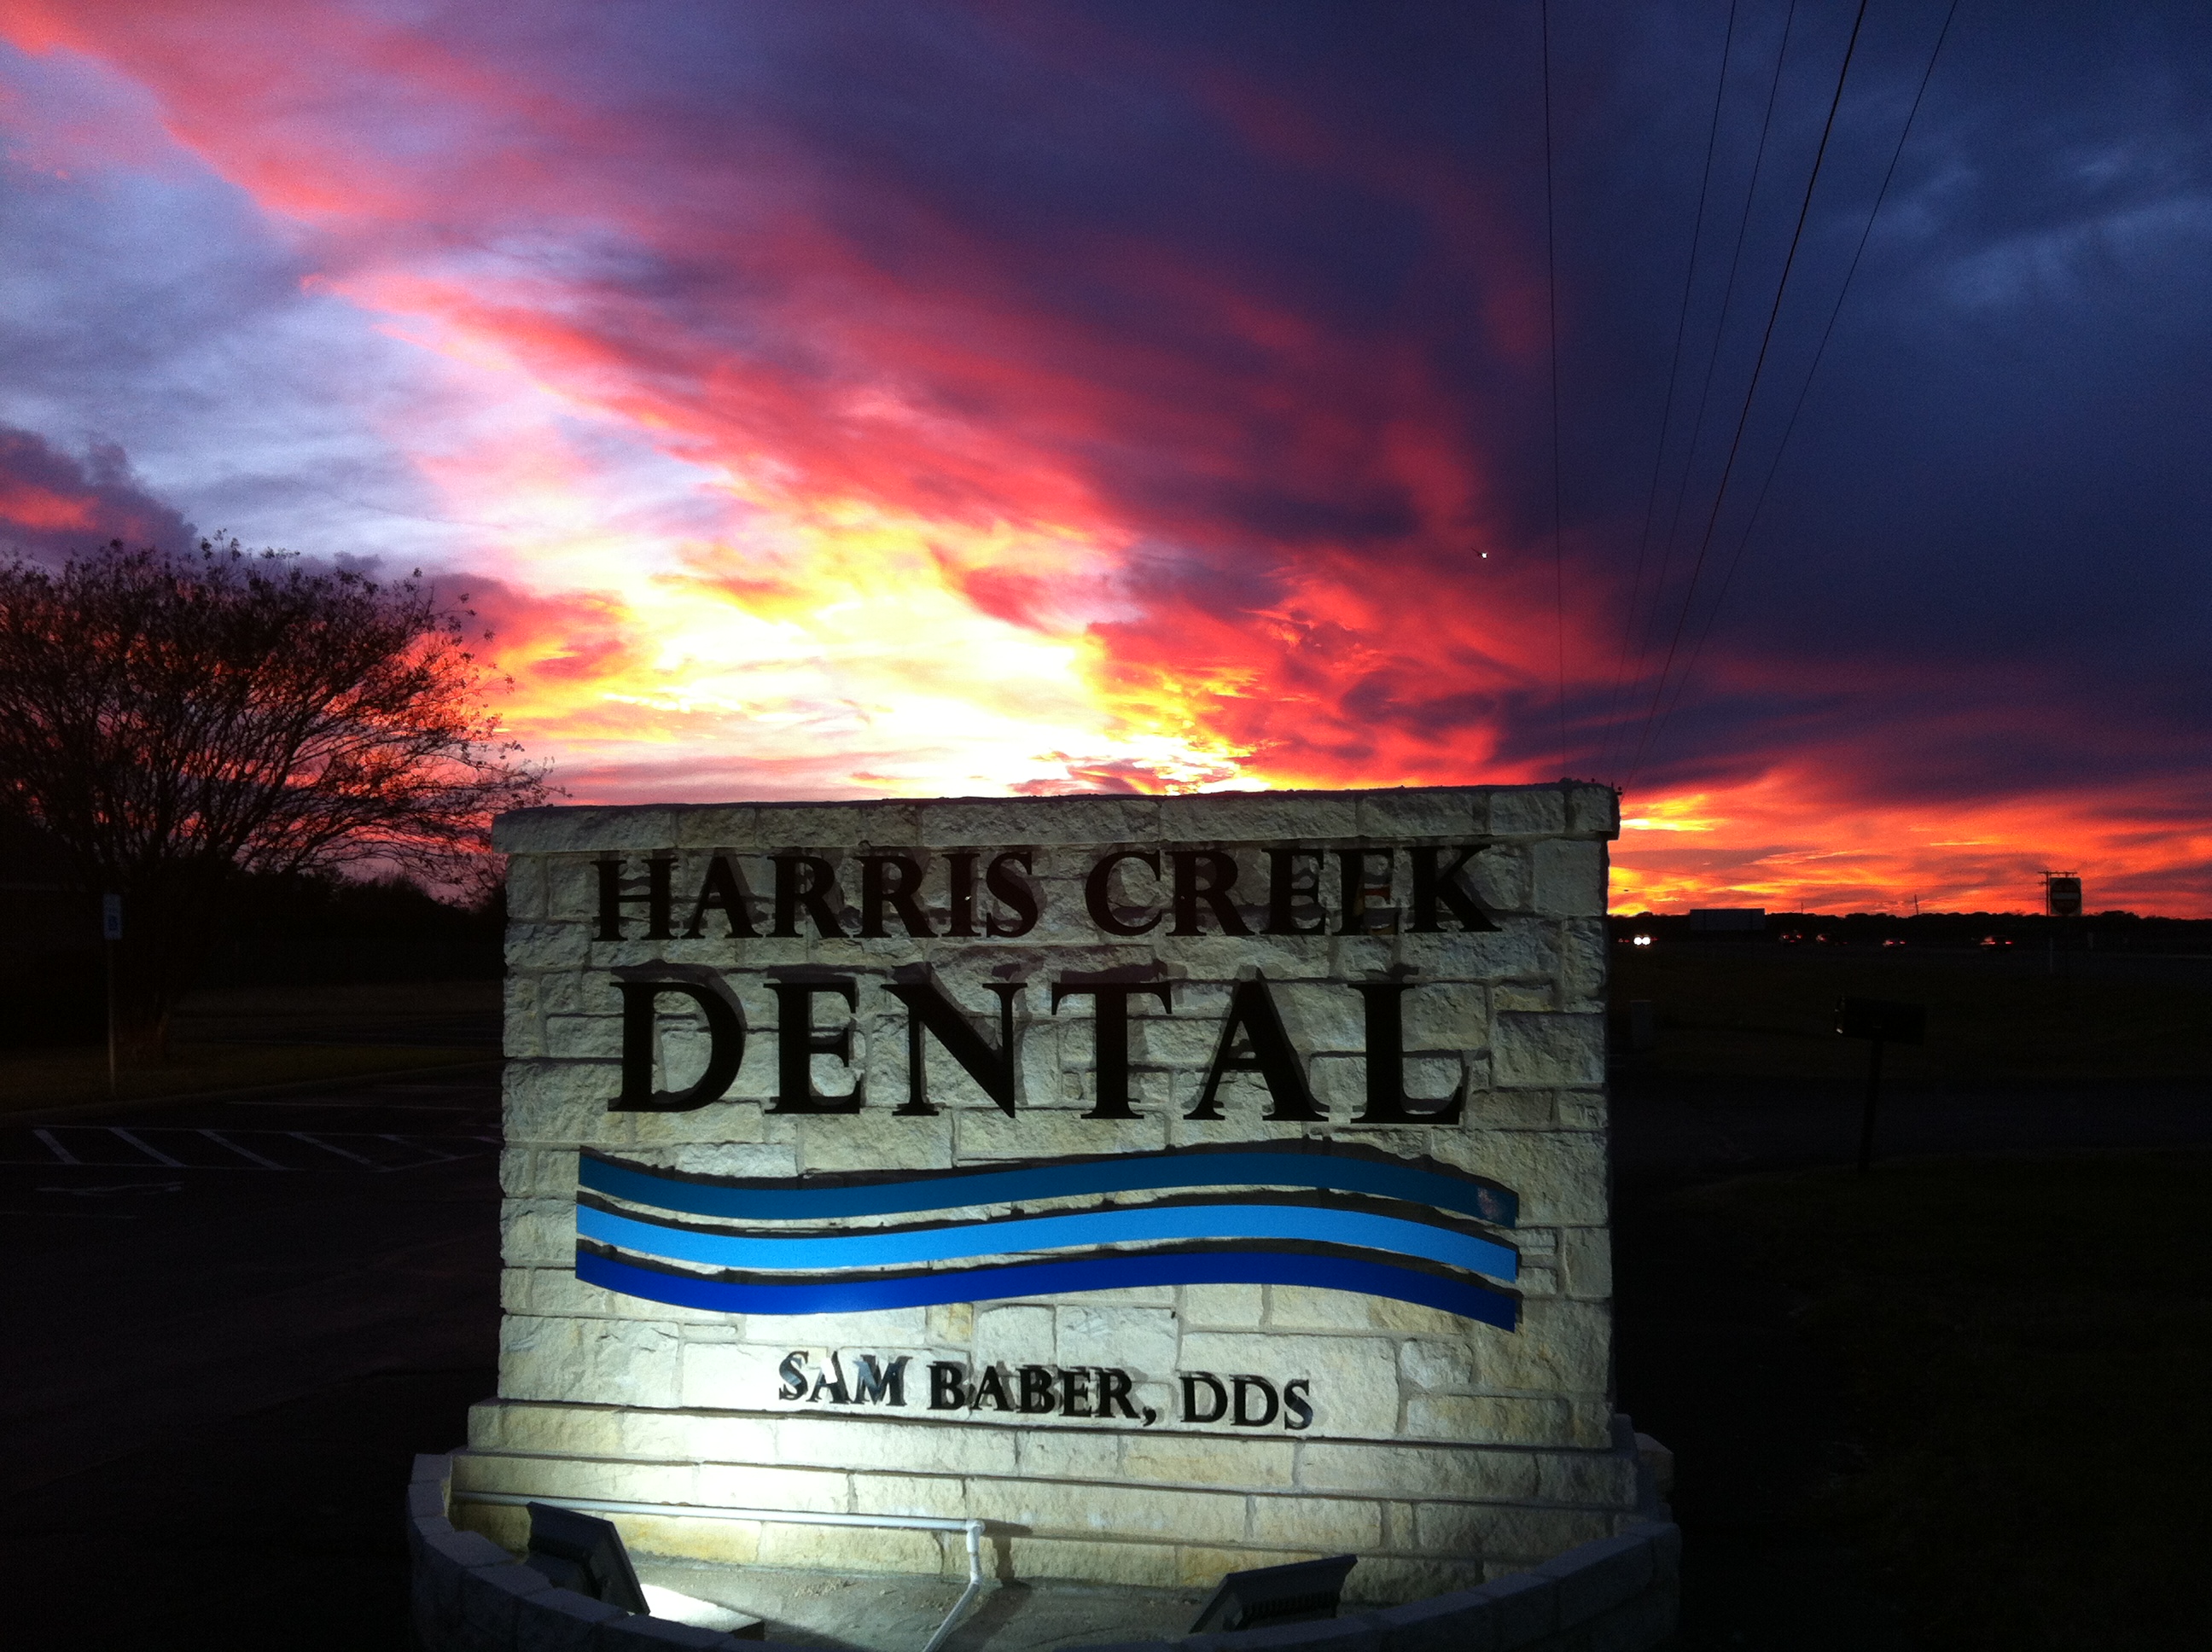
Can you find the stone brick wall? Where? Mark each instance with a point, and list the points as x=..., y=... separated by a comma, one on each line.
x=1442, y=1451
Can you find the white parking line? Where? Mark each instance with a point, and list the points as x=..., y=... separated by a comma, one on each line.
x=60, y=1152
x=173, y=1163
x=221, y=1140
x=317, y=1141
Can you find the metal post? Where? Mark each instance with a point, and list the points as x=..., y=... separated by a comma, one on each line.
x=113, y=1088
x=1874, y=1095
x=111, y=932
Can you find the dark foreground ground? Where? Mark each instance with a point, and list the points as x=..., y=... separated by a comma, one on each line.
x=218, y=1366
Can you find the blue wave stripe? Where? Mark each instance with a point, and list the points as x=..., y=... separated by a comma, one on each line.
x=1143, y=1173
x=1465, y=1297
x=973, y=1239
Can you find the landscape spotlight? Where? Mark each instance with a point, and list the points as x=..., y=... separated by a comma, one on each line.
x=1299, y=1593
x=583, y=1554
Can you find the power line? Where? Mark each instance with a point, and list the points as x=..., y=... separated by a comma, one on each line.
x=1750, y=390
x=1552, y=302
x=1720, y=337
x=1758, y=503
x=1667, y=404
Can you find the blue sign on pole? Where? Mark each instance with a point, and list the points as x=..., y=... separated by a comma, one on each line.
x=111, y=917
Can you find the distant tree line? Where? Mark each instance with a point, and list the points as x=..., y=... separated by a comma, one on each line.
x=221, y=738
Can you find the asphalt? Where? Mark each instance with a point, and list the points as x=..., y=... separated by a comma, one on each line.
x=225, y=1341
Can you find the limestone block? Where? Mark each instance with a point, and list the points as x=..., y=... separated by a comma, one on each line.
x=562, y=1102
x=1054, y=1133
x=1142, y=1340
x=595, y=1038
x=1062, y=1453
x=723, y=1542
x=732, y=1375
x=1411, y=1471
x=1327, y=1524
x=760, y=1485
x=1607, y=1479
x=1450, y=1016
x=537, y=1232
x=1183, y=1458
x=731, y=1148
x=1562, y=1346
x=849, y=1549
x=570, y=1476
x=1259, y=817
x=998, y=823
x=1584, y=963
x=543, y=946
x=1490, y=1418
x=521, y=1034
x=1519, y=949
x=1527, y=811
x=633, y=1362
x=1502, y=878
x=908, y=1144
x=1586, y=1262
x=1321, y=1016
x=1571, y=878
x=1559, y=1175
x=1594, y=809
x=1297, y=1307
x=1062, y=1509
x=1353, y=1380
x=1583, y=1109
x=923, y=1444
x=526, y=892
x=1014, y=1336
x=928, y=1496
x=1438, y=1365
x=709, y=1437
x=1224, y=1307
x=1538, y=1048
x=1440, y=812
x=882, y=1327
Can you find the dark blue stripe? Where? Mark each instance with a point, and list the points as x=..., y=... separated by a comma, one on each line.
x=848, y=1295
x=1146, y=1172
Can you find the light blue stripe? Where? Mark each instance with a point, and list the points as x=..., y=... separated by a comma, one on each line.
x=1021, y=1235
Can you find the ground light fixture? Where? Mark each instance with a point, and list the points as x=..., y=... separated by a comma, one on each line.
x=1299, y=1593
x=582, y=1552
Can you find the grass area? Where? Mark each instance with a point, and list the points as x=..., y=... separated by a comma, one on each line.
x=35, y=1079
x=1765, y=1013
x=2025, y=1343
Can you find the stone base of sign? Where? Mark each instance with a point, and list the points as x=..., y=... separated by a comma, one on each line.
x=1059, y=1499
x=1616, y=1594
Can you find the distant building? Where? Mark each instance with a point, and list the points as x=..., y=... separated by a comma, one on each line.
x=1728, y=920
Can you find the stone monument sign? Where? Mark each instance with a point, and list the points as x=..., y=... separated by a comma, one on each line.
x=1178, y=1184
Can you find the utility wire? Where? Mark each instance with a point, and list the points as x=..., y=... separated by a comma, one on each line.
x=1667, y=404
x=1758, y=503
x=1713, y=357
x=1552, y=301
x=1750, y=390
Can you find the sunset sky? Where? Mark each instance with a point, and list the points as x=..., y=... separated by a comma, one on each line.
x=843, y=399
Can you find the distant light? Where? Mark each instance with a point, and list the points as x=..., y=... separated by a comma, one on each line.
x=1641, y=940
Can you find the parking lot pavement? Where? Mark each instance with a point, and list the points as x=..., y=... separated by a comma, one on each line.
x=1672, y=1129
x=231, y=1324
